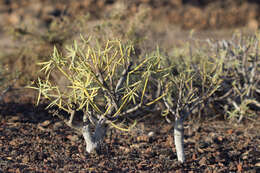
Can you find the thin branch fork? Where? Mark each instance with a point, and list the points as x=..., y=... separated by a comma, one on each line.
x=113, y=98
x=107, y=91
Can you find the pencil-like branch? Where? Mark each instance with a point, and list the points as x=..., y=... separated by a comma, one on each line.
x=123, y=77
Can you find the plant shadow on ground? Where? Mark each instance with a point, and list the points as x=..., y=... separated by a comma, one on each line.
x=32, y=140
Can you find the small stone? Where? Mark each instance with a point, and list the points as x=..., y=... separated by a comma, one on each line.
x=73, y=137
x=57, y=125
x=143, y=138
x=203, y=161
x=200, y=150
x=169, y=141
x=257, y=164
x=25, y=159
x=220, y=138
x=41, y=128
x=13, y=142
x=151, y=134
x=14, y=119
x=125, y=149
x=45, y=123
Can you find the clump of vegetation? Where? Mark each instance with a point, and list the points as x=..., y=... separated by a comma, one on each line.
x=188, y=87
x=240, y=74
x=104, y=84
x=31, y=45
x=228, y=76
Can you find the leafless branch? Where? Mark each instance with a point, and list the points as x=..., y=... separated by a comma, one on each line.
x=123, y=77
x=168, y=106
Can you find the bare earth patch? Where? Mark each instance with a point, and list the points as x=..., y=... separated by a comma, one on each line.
x=34, y=141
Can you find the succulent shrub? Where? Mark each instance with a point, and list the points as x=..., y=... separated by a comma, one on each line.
x=103, y=83
x=225, y=75
x=188, y=86
x=240, y=88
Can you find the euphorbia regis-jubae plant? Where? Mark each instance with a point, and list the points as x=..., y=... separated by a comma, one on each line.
x=188, y=85
x=227, y=75
x=104, y=83
x=240, y=76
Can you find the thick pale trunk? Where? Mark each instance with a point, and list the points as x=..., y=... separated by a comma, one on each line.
x=90, y=142
x=93, y=141
x=179, y=139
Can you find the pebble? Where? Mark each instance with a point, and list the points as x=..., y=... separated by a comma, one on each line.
x=151, y=134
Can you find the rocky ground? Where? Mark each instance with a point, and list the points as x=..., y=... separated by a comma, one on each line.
x=34, y=141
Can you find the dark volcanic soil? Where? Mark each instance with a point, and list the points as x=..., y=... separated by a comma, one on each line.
x=34, y=141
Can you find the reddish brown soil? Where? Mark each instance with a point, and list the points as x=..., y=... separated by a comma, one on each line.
x=34, y=141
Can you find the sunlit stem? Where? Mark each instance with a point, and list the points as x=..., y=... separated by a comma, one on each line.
x=179, y=139
x=93, y=141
